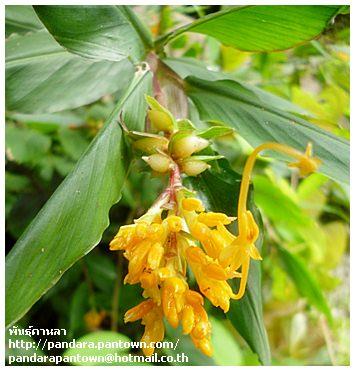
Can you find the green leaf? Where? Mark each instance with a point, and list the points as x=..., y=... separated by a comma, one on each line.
x=205, y=158
x=185, y=67
x=257, y=122
x=72, y=221
x=25, y=146
x=73, y=142
x=262, y=28
x=290, y=220
x=186, y=346
x=268, y=194
x=226, y=348
x=79, y=305
x=219, y=192
x=215, y=132
x=21, y=19
x=304, y=281
x=24, y=210
x=48, y=122
x=16, y=183
x=135, y=110
x=99, y=32
x=96, y=339
x=41, y=76
x=185, y=124
x=337, y=234
x=102, y=271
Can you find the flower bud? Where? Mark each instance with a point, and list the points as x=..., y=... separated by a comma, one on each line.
x=194, y=167
x=151, y=145
x=138, y=311
x=160, y=120
x=205, y=346
x=187, y=319
x=212, y=219
x=186, y=146
x=158, y=162
x=192, y=204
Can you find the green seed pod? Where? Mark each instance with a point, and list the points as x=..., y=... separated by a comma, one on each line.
x=194, y=167
x=188, y=145
x=151, y=145
x=158, y=162
x=160, y=120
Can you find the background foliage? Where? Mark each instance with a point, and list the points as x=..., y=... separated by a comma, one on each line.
x=63, y=98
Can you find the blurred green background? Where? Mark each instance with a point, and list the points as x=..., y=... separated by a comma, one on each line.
x=311, y=219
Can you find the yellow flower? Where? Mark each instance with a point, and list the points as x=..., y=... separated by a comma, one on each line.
x=93, y=319
x=139, y=311
x=201, y=227
x=197, y=325
x=306, y=163
x=212, y=219
x=173, y=290
x=211, y=278
x=159, y=249
x=238, y=254
x=152, y=318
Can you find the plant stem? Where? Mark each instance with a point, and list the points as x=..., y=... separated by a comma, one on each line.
x=174, y=181
x=328, y=339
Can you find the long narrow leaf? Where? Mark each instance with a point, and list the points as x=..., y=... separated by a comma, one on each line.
x=262, y=28
x=72, y=221
x=305, y=283
x=103, y=32
x=41, y=76
x=257, y=122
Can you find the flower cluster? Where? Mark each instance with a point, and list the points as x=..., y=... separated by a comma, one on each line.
x=177, y=232
x=159, y=249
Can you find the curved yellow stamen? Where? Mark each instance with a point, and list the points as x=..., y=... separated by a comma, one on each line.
x=248, y=229
x=248, y=168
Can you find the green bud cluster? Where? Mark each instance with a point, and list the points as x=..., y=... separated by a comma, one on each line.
x=174, y=142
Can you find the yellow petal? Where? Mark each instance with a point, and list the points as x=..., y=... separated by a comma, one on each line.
x=174, y=223
x=215, y=271
x=212, y=219
x=254, y=252
x=148, y=280
x=194, y=298
x=201, y=330
x=206, y=347
x=169, y=307
x=187, y=319
x=227, y=236
x=155, y=256
x=200, y=231
x=192, y=204
x=139, y=311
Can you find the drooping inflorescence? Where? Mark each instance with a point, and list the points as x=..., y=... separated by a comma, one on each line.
x=177, y=232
